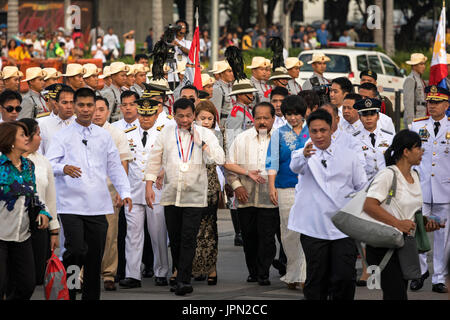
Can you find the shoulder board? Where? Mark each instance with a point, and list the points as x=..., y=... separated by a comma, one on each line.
x=356, y=133
x=160, y=128
x=169, y=117
x=44, y=114
x=385, y=131
x=131, y=129
x=420, y=119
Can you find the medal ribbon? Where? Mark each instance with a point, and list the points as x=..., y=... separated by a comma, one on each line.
x=180, y=146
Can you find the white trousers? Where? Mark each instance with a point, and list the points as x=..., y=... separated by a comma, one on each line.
x=296, y=263
x=441, y=245
x=134, y=241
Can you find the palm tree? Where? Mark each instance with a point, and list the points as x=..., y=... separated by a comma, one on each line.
x=13, y=18
x=157, y=19
x=378, y=33
x=390, y=37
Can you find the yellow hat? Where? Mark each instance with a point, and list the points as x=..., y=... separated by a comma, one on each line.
x=319, y=57
x=9, y=72
x=74, y=69
x=259, y=62
x=106, y=73
x=117, y=67
x=207, y=80
x=91, y=70
x=33, y=73
x=416, y=58
x=181, y=67
x=292, y=62
x=52, y=73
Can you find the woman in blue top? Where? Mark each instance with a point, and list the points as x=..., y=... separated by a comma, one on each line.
x=17, y=189
x=282, y=181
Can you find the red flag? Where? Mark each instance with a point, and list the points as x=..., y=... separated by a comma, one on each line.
x=194, y=57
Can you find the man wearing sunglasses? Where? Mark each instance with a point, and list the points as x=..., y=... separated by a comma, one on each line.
x=373, y=140
x=10, y=105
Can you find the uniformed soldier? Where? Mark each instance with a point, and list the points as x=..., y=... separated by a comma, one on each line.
x=141, y=139
x=49, y=93
x=118, y=72
x=74, y=76
x=221, y=90
x=106, y=76
x=91, y=77
x=279, y=78
x=373, y=140
x=240, y=117
x=156, y=90
x=33, y=103
x=140, y=74
x=130, y=80
x=413, y=90
x=293, y=66
x=11, y=78
x=319, y=65
x=434, y=171
x=261, y=69
x=386, y=104
x=52, y=76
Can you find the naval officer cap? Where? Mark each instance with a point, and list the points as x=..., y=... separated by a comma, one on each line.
x=368, y=73
x=367, y=106
x=147, y=107
x=437, y=94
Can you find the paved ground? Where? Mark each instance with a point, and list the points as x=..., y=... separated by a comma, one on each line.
x=231, y=285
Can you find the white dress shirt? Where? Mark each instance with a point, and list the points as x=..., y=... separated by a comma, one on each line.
x=49, y=127
x=279, y=122
x=120, y=141
x=183, y=189
x=350, y=127
x=98, y=159
x=321, y=192
x=123, y=125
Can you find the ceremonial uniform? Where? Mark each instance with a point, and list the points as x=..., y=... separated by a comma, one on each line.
x=33, y=103
x=239, y=119
x=414, y=98
x=350, y=128
x=221, y=99
x=322, y=81
x=293, y=87
x=263, y=90
x=138, y=89
x=123, y=125
x=434, y=171
x=112, y=94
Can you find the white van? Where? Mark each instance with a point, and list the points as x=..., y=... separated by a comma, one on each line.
x=349, y=63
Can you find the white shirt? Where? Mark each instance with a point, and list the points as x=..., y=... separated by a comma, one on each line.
x=321, y=192
x=98, y=159
x=129, y=47
x=249, y=151
x=45, y=186
x=183, y=189
x=179, y=57
x=99, y=53
x=123, y=125
x=111, y=41
x=408, y=197
x=279, y=122
x=350, y=127
x=120, y=141
x=386, y=123
x=49, y=127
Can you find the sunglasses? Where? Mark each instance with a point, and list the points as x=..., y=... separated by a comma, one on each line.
x=10, y=109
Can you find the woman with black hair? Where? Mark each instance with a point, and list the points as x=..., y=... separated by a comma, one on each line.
x=404, y=153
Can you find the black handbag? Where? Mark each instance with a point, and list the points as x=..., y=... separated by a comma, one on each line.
x=408, y=256
x=34, y=208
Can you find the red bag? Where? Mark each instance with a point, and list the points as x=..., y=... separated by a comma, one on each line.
x=55, y=281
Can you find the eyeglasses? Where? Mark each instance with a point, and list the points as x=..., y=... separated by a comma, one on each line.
x=10, y=109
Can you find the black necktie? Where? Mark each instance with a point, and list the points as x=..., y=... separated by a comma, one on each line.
x=436, y=128
x=372, y=138
x=144, y=139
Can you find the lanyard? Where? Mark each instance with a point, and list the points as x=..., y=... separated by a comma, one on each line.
x=180, y=146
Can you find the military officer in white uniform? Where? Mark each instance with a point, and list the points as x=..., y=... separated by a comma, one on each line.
x=319, y=65
x=158, y=93
x=414, y=90
x=373, y=140
x=434, y=171
x=141, y=139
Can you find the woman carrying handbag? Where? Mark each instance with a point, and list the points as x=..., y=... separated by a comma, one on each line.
x=404, y=153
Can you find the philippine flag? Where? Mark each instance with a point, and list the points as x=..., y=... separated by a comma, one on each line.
x=438, y=70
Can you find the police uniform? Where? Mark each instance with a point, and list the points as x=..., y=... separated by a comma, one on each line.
x=141, y=143
x=414, y=98
x=221, y=99
x=112, y=94
x=33, y=103
x=263, y=90
x=372, y=144
x=293, y=87
x=434, y=171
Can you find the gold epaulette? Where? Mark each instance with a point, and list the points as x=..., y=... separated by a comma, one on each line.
x=159, y=128
x=44, y=114
x=131, y=129
x=420, y=119
x=169, y=117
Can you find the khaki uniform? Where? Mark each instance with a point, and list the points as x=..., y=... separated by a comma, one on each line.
x=414, y=98
x=33, y=103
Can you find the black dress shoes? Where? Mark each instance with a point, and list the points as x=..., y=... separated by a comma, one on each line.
x=252, y=279
x=182, y=288
x=418, y=283
x=148, y=273
x=129, y=283
x=281, y=267
x=263, y=282
x=439, y=288
x=238, y=242
x=161, y=281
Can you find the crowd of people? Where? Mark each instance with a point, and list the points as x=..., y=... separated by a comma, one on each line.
x=114, y=175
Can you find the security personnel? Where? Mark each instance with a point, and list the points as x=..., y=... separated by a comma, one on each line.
x=140, y=74
x=260, y=75
x=240, y=117
x=106, y=77
x=386, y=104
x=157, y=90
x=118, y=72
x=280, y=78
x=52, y=76
x=141, y=139
x=221, y=90
x=373, y=140
x=11, y=78
x=33, y=103
x=91, y=77
x=293, y=66
x=74, y=76
x=414, y=90
x=434, y=171
x=319, y=65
